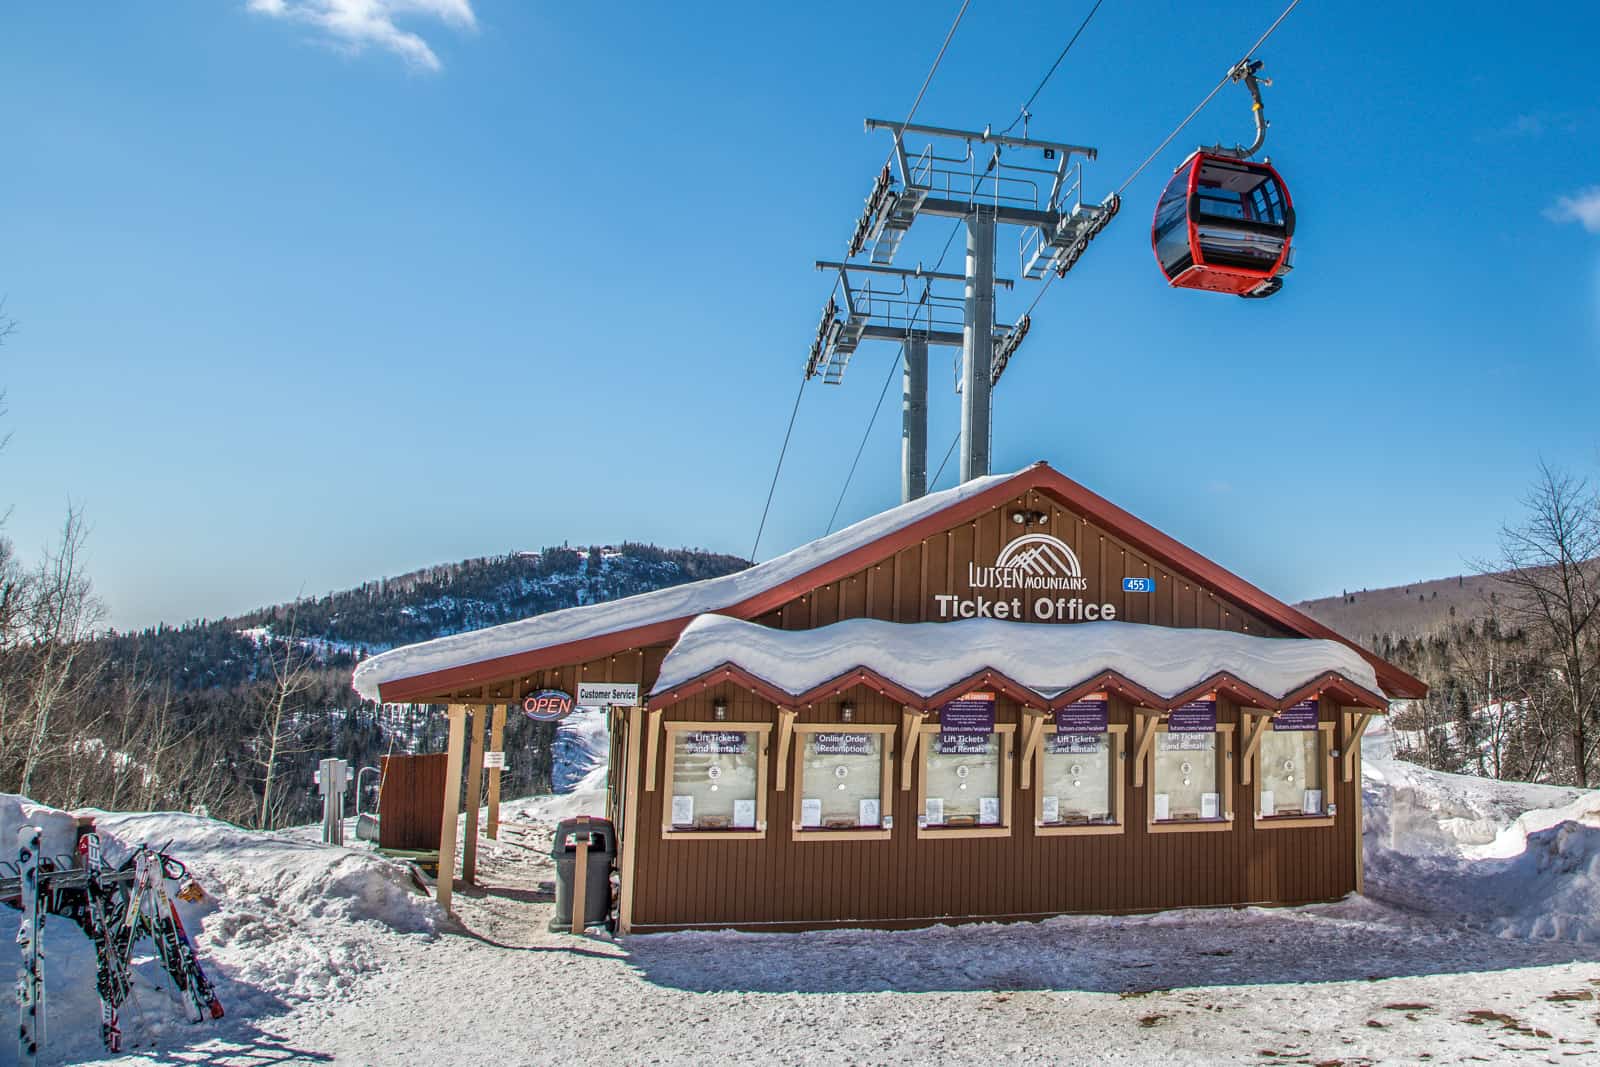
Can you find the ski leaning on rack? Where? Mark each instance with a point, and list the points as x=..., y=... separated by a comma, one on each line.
x=30, y=978
x=159, y=912
x=111, y=967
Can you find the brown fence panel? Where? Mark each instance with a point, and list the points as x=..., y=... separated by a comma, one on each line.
x=411, y=801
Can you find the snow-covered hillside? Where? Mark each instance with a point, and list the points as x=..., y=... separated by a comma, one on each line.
x=1478, y=940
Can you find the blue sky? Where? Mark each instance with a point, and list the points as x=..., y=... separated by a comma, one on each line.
x=312, y=291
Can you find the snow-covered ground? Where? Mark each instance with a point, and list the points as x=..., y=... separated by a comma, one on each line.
x=1478, y=940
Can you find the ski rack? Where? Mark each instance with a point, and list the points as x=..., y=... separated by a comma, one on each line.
x=114, y=908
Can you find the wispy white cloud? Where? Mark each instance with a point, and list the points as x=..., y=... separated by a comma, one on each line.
x=358, y=24
x=1582, y=207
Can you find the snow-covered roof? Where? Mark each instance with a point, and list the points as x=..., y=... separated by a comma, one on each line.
x=644, y=609
x=930, y=657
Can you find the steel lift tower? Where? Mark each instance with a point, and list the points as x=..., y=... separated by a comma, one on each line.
x=973, y=176
x=915, y=317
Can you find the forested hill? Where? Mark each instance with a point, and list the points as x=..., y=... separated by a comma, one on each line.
x=1417, y=610
x=340, y=628
x=232, y=715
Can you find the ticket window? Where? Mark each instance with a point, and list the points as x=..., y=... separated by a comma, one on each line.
x=716, y=780
x=1190, y=787
x=1294, y=772
x=965, y=787
x=843, y=785
x=1078, y=778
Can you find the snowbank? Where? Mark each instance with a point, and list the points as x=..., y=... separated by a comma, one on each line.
x=582, y=743
x=661, y=605
x=60, y=837
x=283, y=921
x=1520, y=860
x=930, y=657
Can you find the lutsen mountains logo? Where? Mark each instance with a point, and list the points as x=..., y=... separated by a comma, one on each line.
x=1040, y=568
x=1033, y=561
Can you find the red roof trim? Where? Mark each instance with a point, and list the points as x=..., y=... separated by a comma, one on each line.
x=989, y=679
x=1040, y=476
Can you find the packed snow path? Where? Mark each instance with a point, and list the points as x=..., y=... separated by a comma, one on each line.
x=1478, y=942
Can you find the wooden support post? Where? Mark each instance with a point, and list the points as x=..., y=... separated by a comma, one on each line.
x=1255, y=730
x=1356, y=721
x=1360, y=823
x=910, y=723
x=469, y=843
x=1032, y=737
x=497, y=743
x=1144, y=735
x=651, y=759
x=580, y=878
x=785, y=735
x=452, y=806
x=630, y=817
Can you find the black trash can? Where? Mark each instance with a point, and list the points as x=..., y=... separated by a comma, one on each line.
x=597, y=890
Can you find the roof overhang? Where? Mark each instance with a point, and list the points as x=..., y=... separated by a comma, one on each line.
x=437, y=685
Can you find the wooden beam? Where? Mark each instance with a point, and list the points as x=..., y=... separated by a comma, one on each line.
x=580, y=879
x=630, y=816
x=497, y=743
x=469, y=844
x=910, y=723
x=652, y=758
x=1356, y=721
x=1033, y=720
x=785, y=734
x=1356, y=831
x=1144, y=735
x=452, y=805
x=1254, y=732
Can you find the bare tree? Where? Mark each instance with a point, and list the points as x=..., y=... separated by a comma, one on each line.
x=1551, y=564
x=291, y=676
x=50, y=633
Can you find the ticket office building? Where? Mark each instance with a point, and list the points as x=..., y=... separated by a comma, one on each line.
x=852, y=734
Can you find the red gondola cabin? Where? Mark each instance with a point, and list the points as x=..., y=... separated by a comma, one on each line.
x=1224, y=225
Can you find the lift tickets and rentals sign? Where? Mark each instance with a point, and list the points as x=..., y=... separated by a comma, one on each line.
x=1033, y=578
x=716, y=742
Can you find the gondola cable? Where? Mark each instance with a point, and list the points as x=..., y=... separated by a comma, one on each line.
x=778, y=470
x=878, y=407
x=1226, y=78
x=783, y=451
x=1022, y=114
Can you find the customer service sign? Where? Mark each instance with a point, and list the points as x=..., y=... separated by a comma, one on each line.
x=1033, y=579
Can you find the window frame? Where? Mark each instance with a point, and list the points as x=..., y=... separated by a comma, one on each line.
x=1224, y=734
x=1297, y=820
x=886, y=788
x=764, y=733
x=1119, y=790
x=1007, y=731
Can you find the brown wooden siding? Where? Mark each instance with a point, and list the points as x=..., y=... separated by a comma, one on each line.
x=411, y=801
x=781, y=881
x=901, y=588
